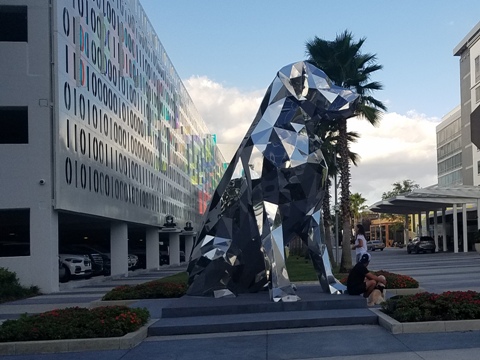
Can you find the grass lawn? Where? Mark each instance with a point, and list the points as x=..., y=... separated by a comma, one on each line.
x=299, y=269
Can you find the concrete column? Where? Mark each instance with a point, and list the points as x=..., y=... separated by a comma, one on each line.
x=464, y=227
x=444, y=231
x=41, y=267
x=455, y=229
x=174, y=248
x=188, y=247
x=119, y=248
x=414, y=224
x=420, y=227
x=435, y=230
x=405, y=232
x=152, y=249
x=427, y=223
x=478, y=214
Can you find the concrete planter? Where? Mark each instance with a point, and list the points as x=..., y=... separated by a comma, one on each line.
x=127, y=341
x=396, y=327
x=477, y=247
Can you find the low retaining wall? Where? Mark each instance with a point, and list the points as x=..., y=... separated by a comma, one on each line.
x=396, y=327
x=127, y=341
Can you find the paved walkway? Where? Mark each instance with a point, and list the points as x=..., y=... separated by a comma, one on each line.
x=352, y=342
x=355, y=342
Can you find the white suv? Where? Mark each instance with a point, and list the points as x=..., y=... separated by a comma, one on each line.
x=75, y=266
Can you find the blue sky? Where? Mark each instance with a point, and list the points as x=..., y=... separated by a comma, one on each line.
x=234, y=48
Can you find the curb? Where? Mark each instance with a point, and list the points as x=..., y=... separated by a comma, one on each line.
x=128, y=341
x=396, y=327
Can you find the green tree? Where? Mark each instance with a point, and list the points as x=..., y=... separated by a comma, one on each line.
x=344, y=63
x=328, y=133
x=400, y=188
x=357, y=204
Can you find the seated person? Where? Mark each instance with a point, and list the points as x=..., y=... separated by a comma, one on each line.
x=361, y=280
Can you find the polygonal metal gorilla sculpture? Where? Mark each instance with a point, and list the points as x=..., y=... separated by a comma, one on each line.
x=257, y=210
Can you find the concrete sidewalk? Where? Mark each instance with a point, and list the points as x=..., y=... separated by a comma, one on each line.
x=337, y=342
x=331, y=342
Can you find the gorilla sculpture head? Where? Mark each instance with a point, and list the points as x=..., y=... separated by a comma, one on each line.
x=271, y=193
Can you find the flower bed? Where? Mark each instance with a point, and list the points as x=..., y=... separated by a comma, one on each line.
x=450, y=305
x=156, y=289
x=75, y=323
x=394, y=281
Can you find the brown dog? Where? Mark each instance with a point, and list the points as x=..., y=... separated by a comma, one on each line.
x=377, y=296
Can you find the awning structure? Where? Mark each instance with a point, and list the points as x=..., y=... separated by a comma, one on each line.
x=435, y=198
x=428, y=199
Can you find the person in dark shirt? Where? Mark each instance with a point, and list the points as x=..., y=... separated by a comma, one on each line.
x=361, y=280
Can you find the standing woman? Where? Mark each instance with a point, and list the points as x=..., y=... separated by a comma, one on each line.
x=360, y=246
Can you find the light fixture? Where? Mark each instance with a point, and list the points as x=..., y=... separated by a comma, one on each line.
x=188, y=226
x=169, y=221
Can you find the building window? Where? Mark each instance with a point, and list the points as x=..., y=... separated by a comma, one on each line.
x=13, y=125
x=477, y=69
x=478, y=167
x=13, y=23
x=477, y=94
x=14, y=232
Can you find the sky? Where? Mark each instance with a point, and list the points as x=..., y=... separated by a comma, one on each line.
x=228, y=52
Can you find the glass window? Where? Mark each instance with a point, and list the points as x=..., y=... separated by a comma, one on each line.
x=13, y=23
x=13, y=125
x=477, y=69
x=14, y=232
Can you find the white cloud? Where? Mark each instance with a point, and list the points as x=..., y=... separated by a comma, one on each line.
x=226, y=111
x=401, y=147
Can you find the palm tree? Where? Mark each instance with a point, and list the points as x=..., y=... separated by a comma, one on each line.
x=357, y=204
x=400, y=187
x=328, y=133
x=346, y=66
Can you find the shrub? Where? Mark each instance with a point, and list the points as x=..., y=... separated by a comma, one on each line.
x=450, y=305
x=156, y=289
x=397, y=281
x=10, y=288
x=75, y=323
x=394, y=281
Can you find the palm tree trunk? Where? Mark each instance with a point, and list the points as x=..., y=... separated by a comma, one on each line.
x=346, y=263
x=327, y=220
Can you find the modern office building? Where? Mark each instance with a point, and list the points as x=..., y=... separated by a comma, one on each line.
x=449, y=149
x=455, y=200
x=99, y=139
x=468, y=51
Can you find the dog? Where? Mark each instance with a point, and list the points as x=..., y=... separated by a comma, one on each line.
x=271, y=192
x=377, y=296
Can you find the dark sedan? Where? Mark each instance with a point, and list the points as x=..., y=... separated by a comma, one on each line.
x=421, y=244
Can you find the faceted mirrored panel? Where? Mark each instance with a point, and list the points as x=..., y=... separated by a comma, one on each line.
x=271, y=193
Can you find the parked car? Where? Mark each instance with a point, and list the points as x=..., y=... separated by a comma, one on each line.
x=96, y=258
x=421, y=244
x=398, y=244
x=62, y=272
x=106, y=256
x=165, y=258
x=375, y=245
x=75, y=266
x=132, y=261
